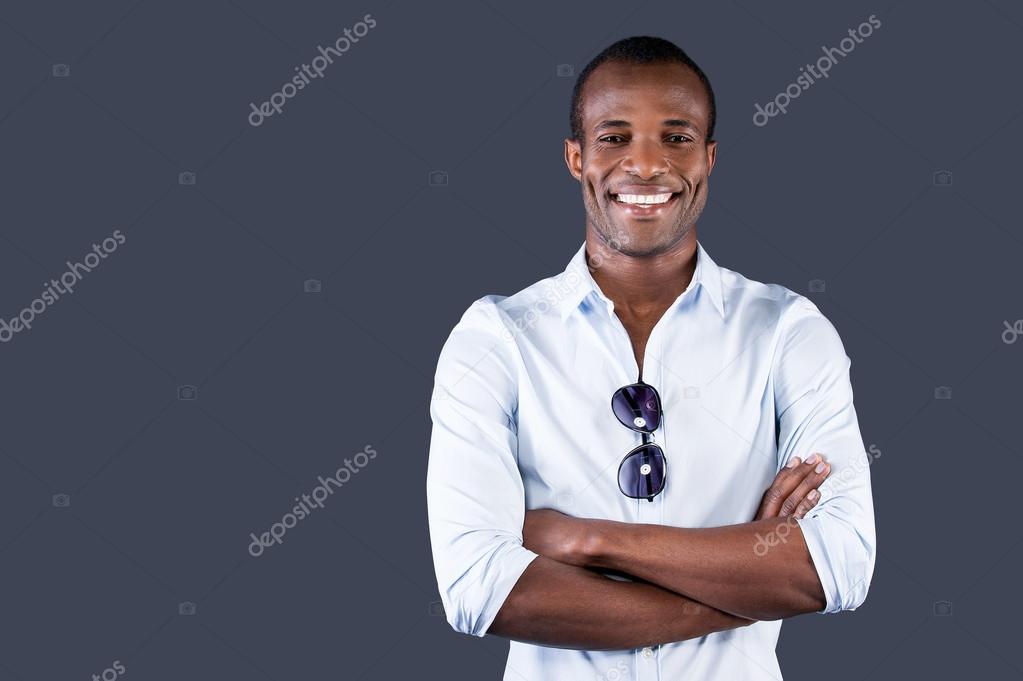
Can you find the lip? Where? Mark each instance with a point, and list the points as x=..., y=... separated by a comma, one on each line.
x=644, y=210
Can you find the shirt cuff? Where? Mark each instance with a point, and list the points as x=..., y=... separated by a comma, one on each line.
x=815, y=543
x=513, y=564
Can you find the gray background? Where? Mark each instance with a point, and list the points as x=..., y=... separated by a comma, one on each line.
x=208, y=291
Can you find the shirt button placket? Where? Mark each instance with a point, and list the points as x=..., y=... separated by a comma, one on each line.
x=647, y=663
x=652, y=513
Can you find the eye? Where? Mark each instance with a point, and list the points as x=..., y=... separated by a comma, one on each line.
x=610, y=139
x=682, y=139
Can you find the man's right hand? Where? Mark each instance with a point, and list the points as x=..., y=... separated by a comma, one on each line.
x=794, y=490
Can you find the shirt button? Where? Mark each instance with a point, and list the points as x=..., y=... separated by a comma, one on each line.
x=648, y=653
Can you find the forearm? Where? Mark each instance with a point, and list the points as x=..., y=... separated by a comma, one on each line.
x=760, y=570
x=566, y=606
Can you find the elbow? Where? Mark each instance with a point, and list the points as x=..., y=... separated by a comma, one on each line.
x=858, y=577
x=853, y=592
x=506, y=623
x=479, y=616
x=479, y=595
x=462, y=614
x=856, y=594
x=816, y=598
x=843, y=558
x=464, y=608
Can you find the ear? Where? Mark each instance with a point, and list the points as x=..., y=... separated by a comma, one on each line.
x=574, y=158
x=712, y=153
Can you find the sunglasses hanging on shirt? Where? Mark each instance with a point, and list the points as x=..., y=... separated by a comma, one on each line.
x=643, y=471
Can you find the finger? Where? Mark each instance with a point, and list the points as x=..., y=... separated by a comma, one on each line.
x=808, y=502
x=784, y=483
x=817, y=469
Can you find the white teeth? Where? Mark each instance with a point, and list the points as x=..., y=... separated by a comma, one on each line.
x=643, y=198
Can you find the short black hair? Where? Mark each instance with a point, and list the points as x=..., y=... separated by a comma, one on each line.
x=640, y=49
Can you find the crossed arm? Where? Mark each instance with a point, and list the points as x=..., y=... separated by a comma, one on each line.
x=693, y=582
x=527, y=575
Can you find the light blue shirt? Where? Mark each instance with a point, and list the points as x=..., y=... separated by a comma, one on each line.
x=749, y=374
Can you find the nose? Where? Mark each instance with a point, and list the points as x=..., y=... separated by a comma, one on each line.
x=645, y=160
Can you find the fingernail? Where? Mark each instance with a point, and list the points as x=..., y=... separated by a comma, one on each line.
x=794, y=461
x=812, y=496
x=812, y=458
x=820, y=467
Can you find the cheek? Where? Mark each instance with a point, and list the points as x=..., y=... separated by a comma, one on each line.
x=697, y=178
x=692, y=165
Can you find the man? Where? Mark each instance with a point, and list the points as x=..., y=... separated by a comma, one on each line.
x=603, y=439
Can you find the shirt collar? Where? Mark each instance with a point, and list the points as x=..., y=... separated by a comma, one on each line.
x=576, y=283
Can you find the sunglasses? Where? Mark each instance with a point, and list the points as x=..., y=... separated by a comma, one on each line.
x=643, y=471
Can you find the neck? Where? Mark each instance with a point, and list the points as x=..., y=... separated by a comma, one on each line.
x=642, y=285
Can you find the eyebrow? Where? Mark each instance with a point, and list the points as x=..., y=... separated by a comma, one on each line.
x=670, y=123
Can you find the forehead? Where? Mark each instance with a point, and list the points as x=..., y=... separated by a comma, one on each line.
x=617, y=90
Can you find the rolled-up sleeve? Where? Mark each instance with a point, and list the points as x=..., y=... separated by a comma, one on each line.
x=814, y=407
x=474, y=489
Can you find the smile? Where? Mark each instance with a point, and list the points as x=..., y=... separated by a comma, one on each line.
x=642, y=205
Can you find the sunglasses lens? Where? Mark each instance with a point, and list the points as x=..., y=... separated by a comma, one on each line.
x=642, y=472
x=637, y=407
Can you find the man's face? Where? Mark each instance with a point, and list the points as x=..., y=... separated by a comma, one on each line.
x=645, y=129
